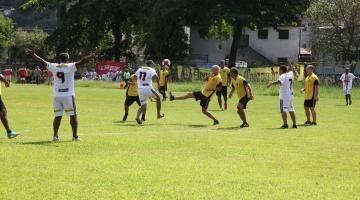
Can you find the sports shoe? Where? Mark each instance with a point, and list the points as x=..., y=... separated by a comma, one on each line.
x=125, y=117
x=307, y=123
x=225, y=106
x=76, y=139
x=294, y=126
x=12, y=135
x=245, y=125
x=216, y=122
x=138, y=121
x=313, y=124
x=285, y=126
x=172, y=98
x=56, y=139
x=143, y=119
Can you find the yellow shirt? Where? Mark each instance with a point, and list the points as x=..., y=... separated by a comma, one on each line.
x=132, y=90
x=310, y=83
x=224, y=73
x=211, y=84
x=0, y=89
x=163, y=75
x=239, y=84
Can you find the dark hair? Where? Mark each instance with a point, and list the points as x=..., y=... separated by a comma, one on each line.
x=283, y=68
x=149, y=63
x=234, y=71
x=64, y=57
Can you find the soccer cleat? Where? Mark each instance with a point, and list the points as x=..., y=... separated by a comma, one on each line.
x=307, y=123
x=76, y=139
x=125, y=117
x=314, y=124
x=285, y=126
x=12, y=135
x=225, y=106
x=138, y=121
x=245, y=125
x=294, y=126
x=172, y=98
x=56, y=139
x=216, y=122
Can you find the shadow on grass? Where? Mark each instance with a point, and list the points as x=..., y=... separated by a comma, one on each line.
x=45, y=143
x=134, y=124
x=341, y=105
x=230, y=129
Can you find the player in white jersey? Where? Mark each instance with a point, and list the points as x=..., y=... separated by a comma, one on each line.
x=347, y=79
x=64, y=94
x=144, y=76
x=285, y=81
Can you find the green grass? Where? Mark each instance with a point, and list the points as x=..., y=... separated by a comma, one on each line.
x=181, y=156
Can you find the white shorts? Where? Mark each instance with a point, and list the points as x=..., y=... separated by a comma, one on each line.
x=347, y=90
x=287, y=104
x=66, y=104
x=145, y=93
x=22, y=79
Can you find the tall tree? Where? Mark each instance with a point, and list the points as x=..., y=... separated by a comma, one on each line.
x=337, y=31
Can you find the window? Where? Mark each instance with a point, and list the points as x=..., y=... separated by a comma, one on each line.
x=282, y=60
x=283, y=34
x=263, y=34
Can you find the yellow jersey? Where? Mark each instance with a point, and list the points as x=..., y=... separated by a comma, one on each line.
x=239, y=84
x=224, y=73
x=0, y=89
x=132, y=90
x=163, y=75
x=310, y=83
x=211, y=84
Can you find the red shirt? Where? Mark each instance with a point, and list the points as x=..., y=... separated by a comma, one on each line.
x=7, y=72
x=22, y=72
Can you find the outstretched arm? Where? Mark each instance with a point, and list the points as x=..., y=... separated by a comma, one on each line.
x=273, y=83
x=88, y=58
x=40, y=61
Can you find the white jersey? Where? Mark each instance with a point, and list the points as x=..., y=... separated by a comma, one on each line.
x=286, y=85
x=63, y=78
x=145, y=76
x=347, y=80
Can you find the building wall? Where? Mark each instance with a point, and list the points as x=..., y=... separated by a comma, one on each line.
x=271, y=48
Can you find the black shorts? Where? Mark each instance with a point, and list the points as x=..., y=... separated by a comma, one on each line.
x=2, y=105
x=223, y=91
x=204, y=101
x=162, y=89
x=244, y=101
x=309, y=103
x=131, y=99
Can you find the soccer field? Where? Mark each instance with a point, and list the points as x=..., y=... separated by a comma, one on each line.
x=181, y=156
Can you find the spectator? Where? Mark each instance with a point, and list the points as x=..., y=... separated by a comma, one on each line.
x=8, y=72
x=22, y=75
x=37, y=75
x=49, y=77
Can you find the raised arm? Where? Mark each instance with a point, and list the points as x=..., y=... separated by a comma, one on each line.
x=274, y=83
x=88, y=58
x=40, y=61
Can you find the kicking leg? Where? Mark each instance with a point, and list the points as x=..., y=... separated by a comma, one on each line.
x=208, y=114
x=186, y=96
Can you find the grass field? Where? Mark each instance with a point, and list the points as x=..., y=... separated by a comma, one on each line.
x=181, y=156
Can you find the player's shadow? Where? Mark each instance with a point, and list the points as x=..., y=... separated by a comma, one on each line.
x=341, y=105
x=197, y=126
x=230, y=129
x=44, y=143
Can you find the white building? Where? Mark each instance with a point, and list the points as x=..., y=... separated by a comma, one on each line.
x=257, y=47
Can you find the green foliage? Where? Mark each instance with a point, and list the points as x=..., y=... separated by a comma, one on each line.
x=6, y=30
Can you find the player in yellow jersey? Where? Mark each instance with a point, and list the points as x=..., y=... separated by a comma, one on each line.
x=164, y=75
x=311, y=93
x=3, y=111
x=213, y=84
x=225, y=76
x=244, y=92
x=132, y=96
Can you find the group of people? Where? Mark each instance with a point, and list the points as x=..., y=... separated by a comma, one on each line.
x=141, y=89
x=27, y=75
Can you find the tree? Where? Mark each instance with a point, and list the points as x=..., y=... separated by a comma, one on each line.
x=337, y=31
x=6, y=30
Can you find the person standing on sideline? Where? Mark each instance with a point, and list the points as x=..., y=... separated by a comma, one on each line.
x=64, y=93
x=37, y=75
x=311, y=93
x=225, y=76
x=347, y=80
x=22, y=75
x=8, y=72
x=3, y=111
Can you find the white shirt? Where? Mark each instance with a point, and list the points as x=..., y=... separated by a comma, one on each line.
x=347, y=79
x=286, y=85
x=145, y=76
x=63, y=78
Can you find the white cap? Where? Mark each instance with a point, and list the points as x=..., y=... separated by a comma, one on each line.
x=215, y=66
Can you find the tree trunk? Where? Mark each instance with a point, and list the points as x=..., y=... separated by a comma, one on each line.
x=235, y=44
